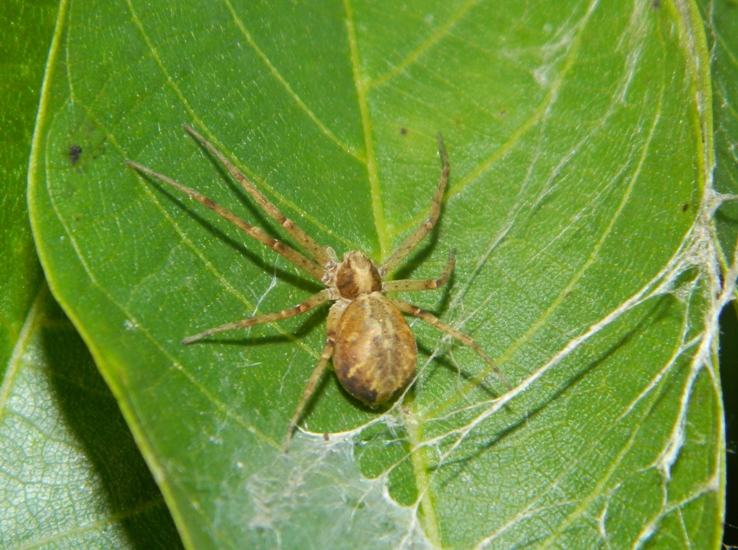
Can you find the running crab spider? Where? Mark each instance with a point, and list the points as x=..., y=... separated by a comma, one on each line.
x=372, y=347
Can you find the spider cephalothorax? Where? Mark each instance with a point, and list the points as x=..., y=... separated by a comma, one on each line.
x=357, y=275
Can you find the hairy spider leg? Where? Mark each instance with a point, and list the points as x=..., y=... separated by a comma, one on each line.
x=309, y=390
x=307, y=265
x=399, y=253
x=431, y=319
x=317, y=252
x=411, y=285
x=312, y=302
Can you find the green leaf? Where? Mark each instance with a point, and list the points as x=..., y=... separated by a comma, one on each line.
x=579, y=170
x=23, y=53
x=70, y=473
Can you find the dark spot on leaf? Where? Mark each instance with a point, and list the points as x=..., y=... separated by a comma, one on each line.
x=403, y=131
x=685, y=207
x=74, y=152
x=656, y=4
x=503, y=113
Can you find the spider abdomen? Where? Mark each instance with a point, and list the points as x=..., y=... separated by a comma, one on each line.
x=375, y=351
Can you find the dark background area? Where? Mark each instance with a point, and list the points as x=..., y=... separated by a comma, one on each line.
x=729, y=379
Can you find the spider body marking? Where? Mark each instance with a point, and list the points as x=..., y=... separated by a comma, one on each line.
x=372, y=347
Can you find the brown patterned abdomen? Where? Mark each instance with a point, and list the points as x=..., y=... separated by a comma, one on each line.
x=375, y=353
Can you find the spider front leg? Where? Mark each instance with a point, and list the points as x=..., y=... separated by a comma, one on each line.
x=314, y=301
x=306, y=264
x=431, y=319
x=399, y=253
x=317, y=252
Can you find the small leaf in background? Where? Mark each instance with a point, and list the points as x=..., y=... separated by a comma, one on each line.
x=72, y=476
x=576, y=205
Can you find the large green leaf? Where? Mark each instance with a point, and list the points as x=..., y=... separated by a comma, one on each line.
x=70, y=473
x=579, y=147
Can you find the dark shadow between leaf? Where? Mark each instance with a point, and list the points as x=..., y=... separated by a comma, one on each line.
x=729, y=381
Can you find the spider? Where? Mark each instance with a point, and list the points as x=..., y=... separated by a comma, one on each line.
x=373, y=350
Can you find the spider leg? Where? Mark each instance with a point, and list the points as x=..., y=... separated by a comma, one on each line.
x=310, y=267
x=409, y=285
x=302, y=307
x=317, y=252
x=309, y=390
x=431, y=319
x=399, y=253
